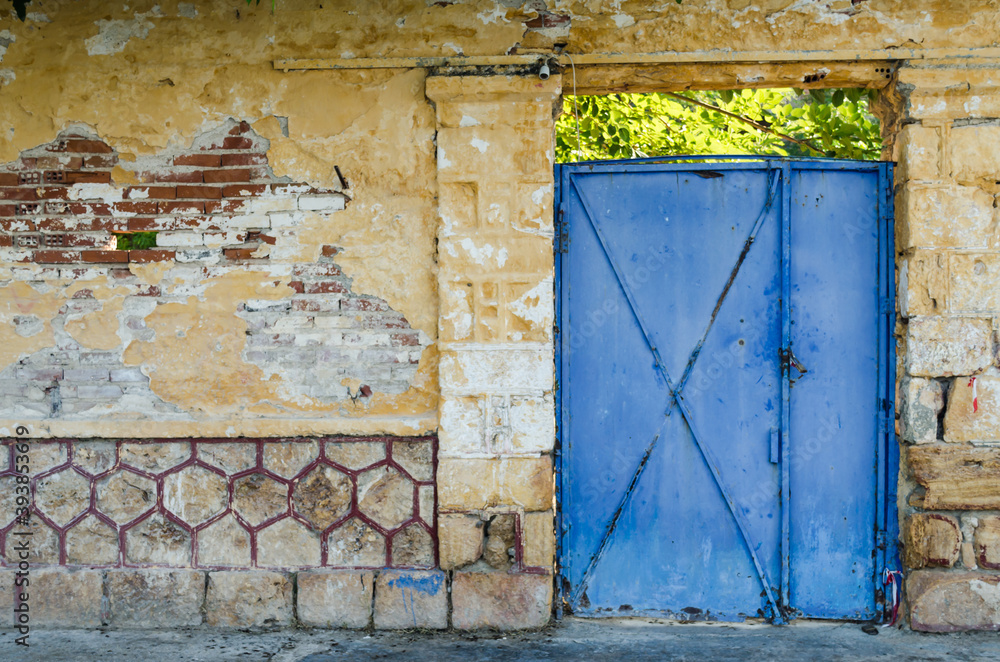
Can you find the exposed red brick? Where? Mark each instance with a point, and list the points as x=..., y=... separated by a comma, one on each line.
x=6, y=240
x=409, y=339
x=148, y=291
x=314, y=270
x=193, y=177
x=56, y=208
x=330, y=251
x=84, y=294
x=150, y=255
x=101, y=161
x=305, y=305
x=328, y=287
x=78, y=240
x=257, y=235
x=200, y=160
x=27, y=208
x=24, y=193
x=237, y=143
x=120, y=273
x=92, y=224
x=104, y=256
x=54, y=240
x=242, y=127
x=364, y=305
x=224, y=206
x=89, y=208
x=151, y=192
x=170, y=207
x=9, y=179
x=298, y=286
x=52, y=193
x=238, y=253
x=244, y=159
x=56, y=257
x=223, y=176
x=9, y=224
x=95, y=177
x=157, y=223
x=7, y=210
x=136, y=207
x=92, y=146
x=209, y=192
x=240, y=190
x=59, y=162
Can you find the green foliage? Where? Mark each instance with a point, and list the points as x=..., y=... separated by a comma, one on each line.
x=257, y=2
x=836, y=123
x=136, y=241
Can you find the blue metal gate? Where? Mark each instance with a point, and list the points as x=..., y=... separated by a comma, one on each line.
x=726, y=388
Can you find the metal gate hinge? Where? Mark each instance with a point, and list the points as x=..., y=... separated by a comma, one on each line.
x=562, y=238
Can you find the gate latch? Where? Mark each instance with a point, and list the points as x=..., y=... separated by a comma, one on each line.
x=789, y=361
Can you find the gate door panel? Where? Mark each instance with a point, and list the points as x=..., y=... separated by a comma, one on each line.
x=685, y=388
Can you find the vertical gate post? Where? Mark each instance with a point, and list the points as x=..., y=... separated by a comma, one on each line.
x=949, y=256
x=495, y=157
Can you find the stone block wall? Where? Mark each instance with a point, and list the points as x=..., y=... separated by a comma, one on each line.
x=495, y=156
x=947, y=188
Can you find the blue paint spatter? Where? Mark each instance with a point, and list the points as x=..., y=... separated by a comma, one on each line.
x=426, y=584
x=407, y=584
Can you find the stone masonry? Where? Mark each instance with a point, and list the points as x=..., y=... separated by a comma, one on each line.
x=288, y=504
x=495, y=481
x=949, y=396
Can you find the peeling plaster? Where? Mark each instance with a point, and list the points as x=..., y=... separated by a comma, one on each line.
x=113, y=35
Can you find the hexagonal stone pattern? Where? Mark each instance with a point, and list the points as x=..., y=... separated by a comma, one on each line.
x=91, y=541
x=62, y=496
x=195, y=494
x=416, y=457
x=123, y=496
x=155, y=458
x=8, y=499
x=44, y=545
x=43, y=456
x=413, y=547
x=288, y=543
x=258, y=498
x=338, y=501
x=289, y=458
x=95, y=457
x=230, y=457
x=323, y=496
x=224, y=543
x=385, y=496
x=355, y=454
x=158, y=540
x=355, y=544
x=427, y=504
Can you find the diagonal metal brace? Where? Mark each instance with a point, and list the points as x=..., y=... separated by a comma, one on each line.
x=678, y=399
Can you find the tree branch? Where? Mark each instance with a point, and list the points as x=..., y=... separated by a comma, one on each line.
x=754, y=123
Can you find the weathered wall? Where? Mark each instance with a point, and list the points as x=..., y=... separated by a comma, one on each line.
x=948, y=239
x=326, y=236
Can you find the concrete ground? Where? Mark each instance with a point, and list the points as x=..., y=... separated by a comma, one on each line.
x=631, y=640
